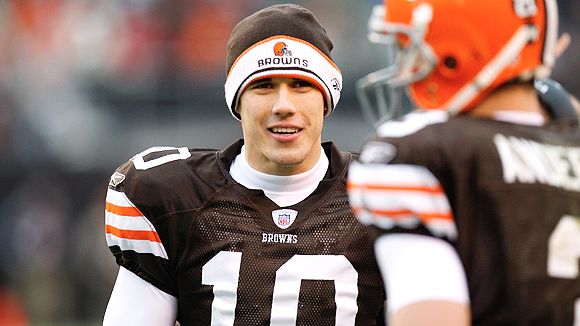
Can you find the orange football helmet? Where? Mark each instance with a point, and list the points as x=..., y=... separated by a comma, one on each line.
x=451, y=53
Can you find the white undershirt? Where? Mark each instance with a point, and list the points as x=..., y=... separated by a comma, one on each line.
x=136, y=302
x=418, y=268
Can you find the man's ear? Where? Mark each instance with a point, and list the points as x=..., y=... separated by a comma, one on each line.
x=576, y=104
x=562, y=45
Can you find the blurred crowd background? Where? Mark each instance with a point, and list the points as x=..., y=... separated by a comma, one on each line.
x=85, y=84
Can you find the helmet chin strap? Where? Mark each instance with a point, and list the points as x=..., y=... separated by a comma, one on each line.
x=493, y=69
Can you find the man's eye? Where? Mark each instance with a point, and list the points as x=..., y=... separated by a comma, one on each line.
x=301, y=83
x=262, y=85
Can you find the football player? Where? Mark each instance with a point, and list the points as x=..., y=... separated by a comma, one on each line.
x=258, y=233
x=474, y=196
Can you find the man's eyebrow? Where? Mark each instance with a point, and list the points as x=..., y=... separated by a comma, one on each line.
x=263, y=80
x=303, y=80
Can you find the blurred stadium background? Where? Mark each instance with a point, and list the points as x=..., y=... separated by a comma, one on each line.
x=85, y=84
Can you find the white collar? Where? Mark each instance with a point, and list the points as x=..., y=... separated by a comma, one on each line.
x=520, y=117
x=283, y=190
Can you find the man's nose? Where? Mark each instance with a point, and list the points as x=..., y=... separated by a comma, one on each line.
x=284, y=103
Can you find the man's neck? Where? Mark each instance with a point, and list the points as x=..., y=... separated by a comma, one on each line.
x=516, y=97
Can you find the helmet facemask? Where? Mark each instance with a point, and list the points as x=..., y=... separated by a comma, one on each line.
x=382, y=93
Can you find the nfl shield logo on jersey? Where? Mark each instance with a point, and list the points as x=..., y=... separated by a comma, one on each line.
x=283, y=218
x=116, y=179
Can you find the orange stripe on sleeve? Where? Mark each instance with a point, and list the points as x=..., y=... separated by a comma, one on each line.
x=434, y=190
x=426, y=217
x=397, y=214
x=122, y=210
x=133, y=235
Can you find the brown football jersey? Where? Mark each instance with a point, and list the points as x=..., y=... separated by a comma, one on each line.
x=507, y=196
x=230, y=255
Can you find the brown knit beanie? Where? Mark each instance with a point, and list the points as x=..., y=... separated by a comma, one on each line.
x=281, y=41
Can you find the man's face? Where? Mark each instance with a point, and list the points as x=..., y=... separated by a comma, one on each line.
x=282, y=122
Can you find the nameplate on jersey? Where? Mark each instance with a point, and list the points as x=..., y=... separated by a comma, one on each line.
x=283, y=218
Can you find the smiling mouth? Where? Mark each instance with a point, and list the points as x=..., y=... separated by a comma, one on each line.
x=284, y=131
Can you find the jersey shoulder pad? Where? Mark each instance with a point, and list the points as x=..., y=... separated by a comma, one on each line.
x=161, y=175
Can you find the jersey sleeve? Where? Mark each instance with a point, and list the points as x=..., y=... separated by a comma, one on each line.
x=400, y=196
x=393, y=185
x=132, y=232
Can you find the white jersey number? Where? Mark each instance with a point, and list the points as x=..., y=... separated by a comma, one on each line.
x=564, y=253
x=141, y=164
x=223, y=271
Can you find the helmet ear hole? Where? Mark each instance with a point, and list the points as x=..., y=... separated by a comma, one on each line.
x=450, y=62
x=449, y=66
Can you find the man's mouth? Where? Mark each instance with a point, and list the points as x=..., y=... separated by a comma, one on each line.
x=284, y=131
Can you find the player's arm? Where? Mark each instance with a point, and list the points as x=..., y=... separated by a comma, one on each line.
x=135, y=301
x=431, y=313
x=144, y=292
x=426, y=283
x=425, y=280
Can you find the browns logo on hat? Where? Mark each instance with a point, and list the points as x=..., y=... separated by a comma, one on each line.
x=281, y=41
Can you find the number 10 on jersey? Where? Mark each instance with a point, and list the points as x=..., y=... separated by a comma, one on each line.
x=223, y=272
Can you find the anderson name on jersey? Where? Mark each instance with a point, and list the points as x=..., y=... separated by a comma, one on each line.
x=176, y=218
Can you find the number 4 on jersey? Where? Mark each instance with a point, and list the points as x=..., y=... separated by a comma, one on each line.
x=564, y=253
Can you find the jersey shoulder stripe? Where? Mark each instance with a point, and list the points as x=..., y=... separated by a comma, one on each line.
x=411, y=123
x=128, y=228
x=402, y=195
